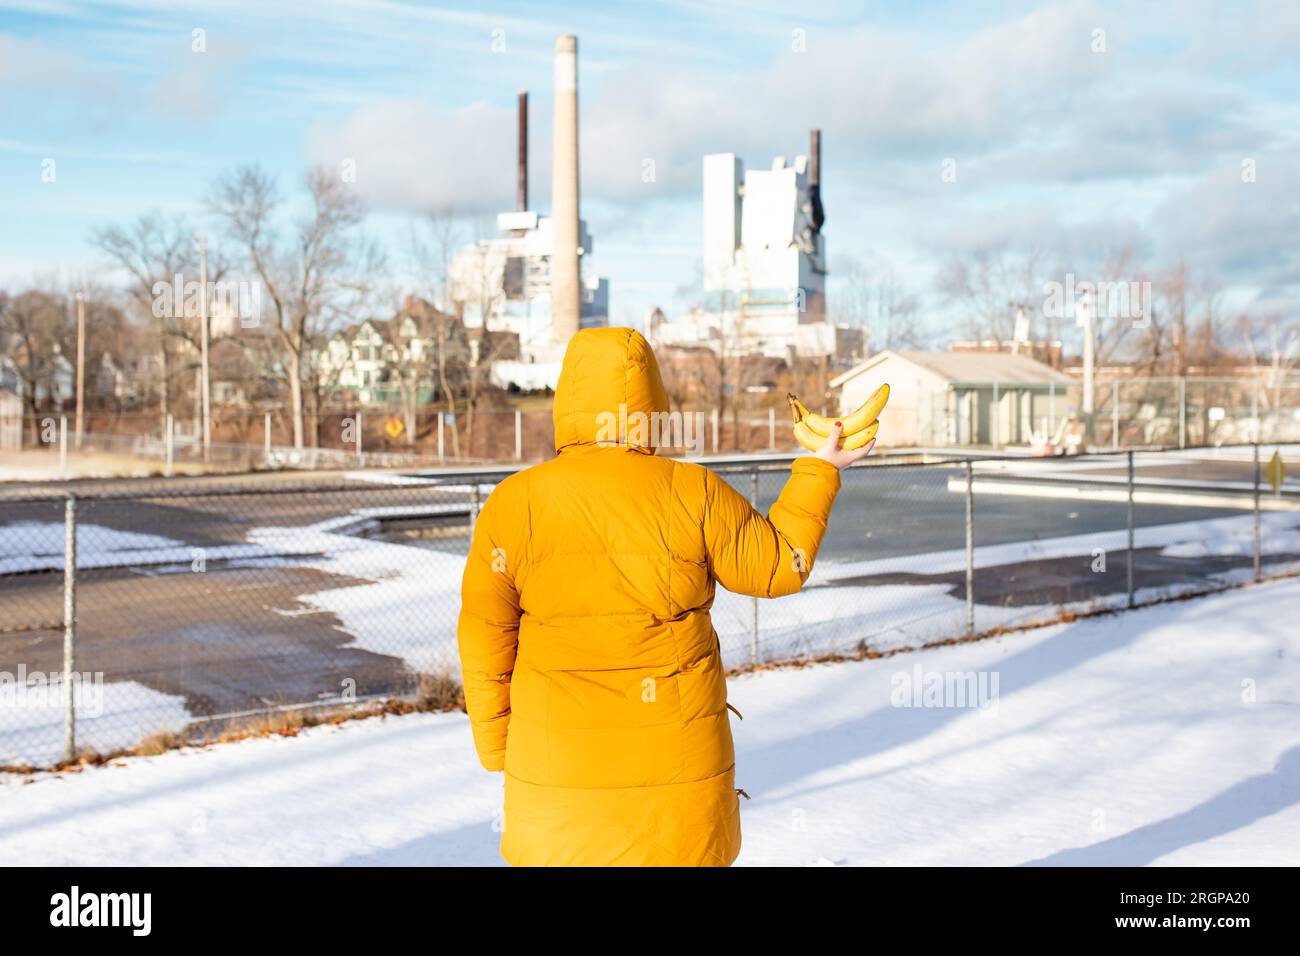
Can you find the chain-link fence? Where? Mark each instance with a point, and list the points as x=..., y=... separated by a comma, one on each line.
x=193, y=605
x=1126, y=413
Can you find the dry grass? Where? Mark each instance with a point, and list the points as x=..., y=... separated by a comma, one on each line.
x=157, y=743
x=440, y=691
x=434, y=693
x=866, y=652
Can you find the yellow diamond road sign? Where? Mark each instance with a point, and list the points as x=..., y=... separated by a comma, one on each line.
x=394, y=426
x=1276, y=472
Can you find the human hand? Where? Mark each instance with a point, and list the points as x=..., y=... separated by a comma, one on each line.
x=832, y=452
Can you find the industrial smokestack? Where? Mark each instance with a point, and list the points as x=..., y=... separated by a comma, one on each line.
x=566, y=299
x=815, y=180
x=815, y=159
x=522, y=201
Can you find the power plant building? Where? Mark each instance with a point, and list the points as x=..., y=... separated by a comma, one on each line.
x=764, y=261
x=529, y=280
x=505, y=283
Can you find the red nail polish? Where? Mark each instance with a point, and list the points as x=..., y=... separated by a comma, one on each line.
x=839, y=424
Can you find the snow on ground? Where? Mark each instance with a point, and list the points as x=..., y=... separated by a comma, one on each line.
x=1280, y=534
x=38, y=545
x=409, y=599
x=409, y=606
x=1167, y=735
x=110, y=716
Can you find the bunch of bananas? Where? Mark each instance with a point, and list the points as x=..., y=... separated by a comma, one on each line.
x=811, y=430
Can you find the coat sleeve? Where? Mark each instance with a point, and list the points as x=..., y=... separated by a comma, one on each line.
x=488, y=633
x=768, y=557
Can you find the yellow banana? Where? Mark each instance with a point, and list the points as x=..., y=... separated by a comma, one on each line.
x=865, y=414
x=859, y=438
x=813, y=442
x=797, y=408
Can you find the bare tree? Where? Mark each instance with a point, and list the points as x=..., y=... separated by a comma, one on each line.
x=1189, y=324
x=314, y=271
x=984, y=286
x=433, y=239
x=1174, y=292
x=873, y=298
x=1273, y=341
x=34, y=332
x=484, y=347
x=153, y=251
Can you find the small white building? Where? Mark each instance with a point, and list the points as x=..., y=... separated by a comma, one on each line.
x=960, y=398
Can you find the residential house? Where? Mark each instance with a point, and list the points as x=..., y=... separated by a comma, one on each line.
x=378, y=361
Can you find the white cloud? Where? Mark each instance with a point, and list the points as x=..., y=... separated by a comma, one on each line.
x=195, y=84
x=867, y=88
x=30, y=66
x=411, y=157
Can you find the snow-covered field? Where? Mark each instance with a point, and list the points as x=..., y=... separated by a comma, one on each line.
x=411, y=600
x=408, y=601
x=1169, y=735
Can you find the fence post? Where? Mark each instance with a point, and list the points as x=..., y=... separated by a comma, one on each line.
x=1129, y=569
x=970, y=549
x=1258, y=557
x=266, y=436
x=519, y=435
x=753, y=633
x=63, y=443
x=1182, y=412
x=170, y=441
x=771, y=428
x=1114, y=414
x=69, y=627
x=1051, y=409
x=441, y=455
x=360, y=459
x=714, y=418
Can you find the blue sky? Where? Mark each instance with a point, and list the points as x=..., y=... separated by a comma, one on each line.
x=1058, y=147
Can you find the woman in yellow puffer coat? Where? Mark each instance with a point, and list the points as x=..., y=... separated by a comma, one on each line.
x=592, y=672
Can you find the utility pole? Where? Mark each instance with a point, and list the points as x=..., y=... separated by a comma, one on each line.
x=203, y=334
x=1084, y=311
x=81, y=367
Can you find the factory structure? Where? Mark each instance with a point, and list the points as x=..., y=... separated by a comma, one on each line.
x=764, y=264
x=528, y=282
x=764, y=261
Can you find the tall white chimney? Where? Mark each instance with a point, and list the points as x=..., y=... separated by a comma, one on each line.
x=566, y=298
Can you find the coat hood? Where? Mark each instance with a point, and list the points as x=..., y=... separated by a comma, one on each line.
x=609, y=388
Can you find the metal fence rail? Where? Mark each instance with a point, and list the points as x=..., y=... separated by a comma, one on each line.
x=1127, y=413
x=178, y=609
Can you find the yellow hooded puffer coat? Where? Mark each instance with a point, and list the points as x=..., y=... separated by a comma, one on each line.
x=591, y=669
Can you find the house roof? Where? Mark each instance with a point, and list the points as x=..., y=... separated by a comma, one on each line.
x=968, y=368
x=425, y=316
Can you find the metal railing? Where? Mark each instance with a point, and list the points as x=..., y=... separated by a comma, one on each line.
x=1129, y=413
x=175, y=610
